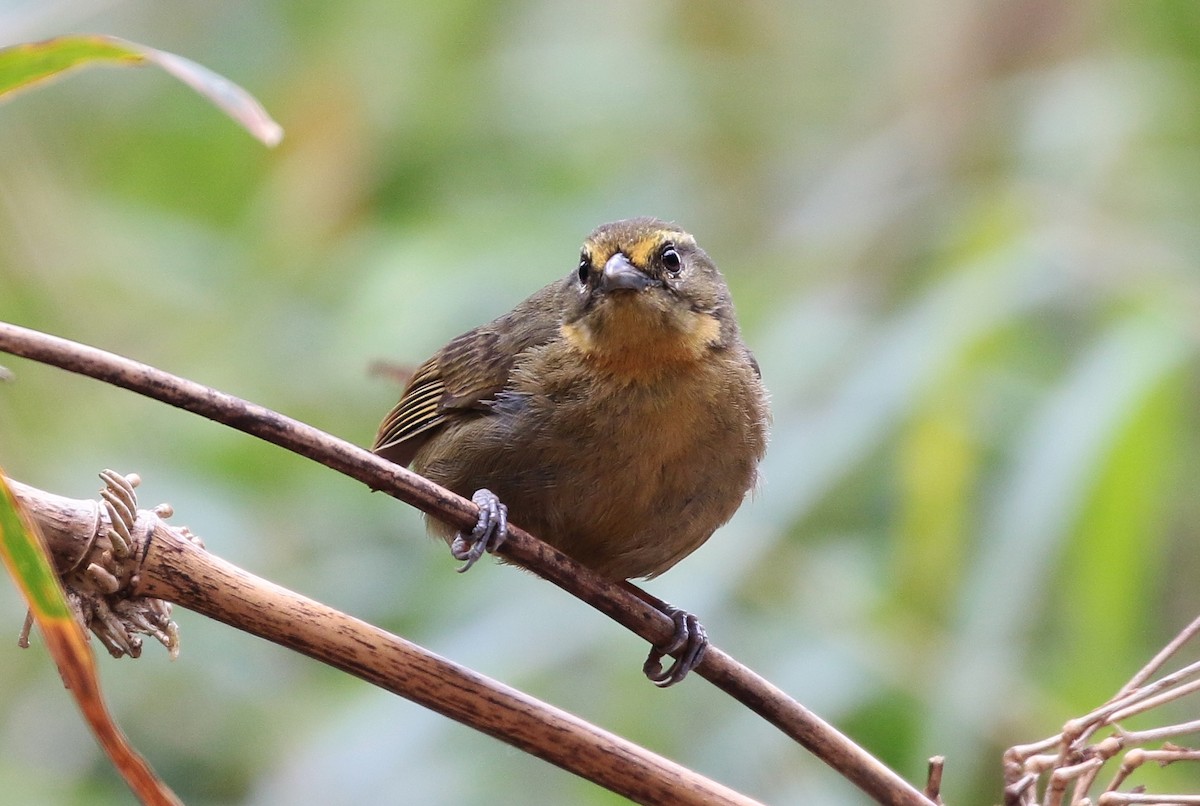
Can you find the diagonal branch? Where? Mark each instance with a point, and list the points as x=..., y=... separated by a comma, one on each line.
x=621, y=605
x=167, y=564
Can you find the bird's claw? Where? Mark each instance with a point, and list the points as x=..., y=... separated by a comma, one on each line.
x=489, y=533
x=689, y=640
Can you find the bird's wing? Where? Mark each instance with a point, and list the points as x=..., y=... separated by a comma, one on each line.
x=463, y=377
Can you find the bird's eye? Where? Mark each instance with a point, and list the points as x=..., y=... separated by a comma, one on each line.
x=671, y=259
x=585, y=267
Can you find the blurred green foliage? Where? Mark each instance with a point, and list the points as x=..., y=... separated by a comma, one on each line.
x=963, y=241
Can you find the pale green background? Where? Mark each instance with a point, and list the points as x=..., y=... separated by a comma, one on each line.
x=963, y=240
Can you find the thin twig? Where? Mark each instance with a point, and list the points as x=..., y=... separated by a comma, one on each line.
x=756, y=693
x=1165, y=690
x=1064, y=775
x=1185, y=635
x=1136, y=737
x=933, y=779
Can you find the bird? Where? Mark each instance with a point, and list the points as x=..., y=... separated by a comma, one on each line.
x=616, y=414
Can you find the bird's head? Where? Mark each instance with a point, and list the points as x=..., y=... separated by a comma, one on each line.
x=644, y=292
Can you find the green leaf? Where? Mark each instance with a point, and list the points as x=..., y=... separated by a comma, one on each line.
x=24, y=65
x=26, y=561
x=22, y=552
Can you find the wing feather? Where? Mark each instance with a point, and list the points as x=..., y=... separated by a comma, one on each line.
x=464, y=377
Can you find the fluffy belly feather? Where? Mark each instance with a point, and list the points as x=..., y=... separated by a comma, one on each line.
x=628, y=482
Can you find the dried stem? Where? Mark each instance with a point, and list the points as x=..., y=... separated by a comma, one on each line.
x=933, y=779
x=765, y=699
x=1078, y=761
x=1165, y=654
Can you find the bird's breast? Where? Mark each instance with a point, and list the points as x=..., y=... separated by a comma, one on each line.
x=628, y=473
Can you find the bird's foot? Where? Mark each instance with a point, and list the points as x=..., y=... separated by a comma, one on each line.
x=690, y=640
x=489, y=533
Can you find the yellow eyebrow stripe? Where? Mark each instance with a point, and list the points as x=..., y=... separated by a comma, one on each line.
x=641, y=252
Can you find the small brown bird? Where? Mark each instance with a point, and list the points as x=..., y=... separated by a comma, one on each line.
x=616, y=412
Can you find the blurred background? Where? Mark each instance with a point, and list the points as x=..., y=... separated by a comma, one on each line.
x=963, y=241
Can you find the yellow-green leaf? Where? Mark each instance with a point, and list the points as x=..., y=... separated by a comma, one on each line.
x=23, y=553
x=24, y=65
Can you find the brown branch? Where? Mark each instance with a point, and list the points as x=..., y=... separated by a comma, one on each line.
x=168, y=564
x=632, y=612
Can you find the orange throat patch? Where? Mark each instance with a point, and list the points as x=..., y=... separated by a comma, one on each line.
x=633, y=342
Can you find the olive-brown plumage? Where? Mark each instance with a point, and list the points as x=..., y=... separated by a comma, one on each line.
x=616, y=412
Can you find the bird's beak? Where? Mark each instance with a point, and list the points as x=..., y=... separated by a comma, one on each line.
x=620, y=274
